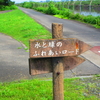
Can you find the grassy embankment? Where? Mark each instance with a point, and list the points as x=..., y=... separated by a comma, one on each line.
x=52, y=9
x=21, y=27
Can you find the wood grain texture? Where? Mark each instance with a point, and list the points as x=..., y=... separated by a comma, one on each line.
x=58, y=88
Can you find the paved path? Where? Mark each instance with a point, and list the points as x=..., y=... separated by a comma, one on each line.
x=14, y=61
x=72, y=29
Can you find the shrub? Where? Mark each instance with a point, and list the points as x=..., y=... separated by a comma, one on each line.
x=2, y=7
x=27, y=4
x=77, y=16
x=72, y=16
x=41, y=9
x=52, y=10
x=90, y=19
x=13, y=7
x=65, y=12
x=98, y=20
x=9, y=7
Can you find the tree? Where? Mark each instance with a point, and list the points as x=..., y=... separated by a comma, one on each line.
x=6, y=2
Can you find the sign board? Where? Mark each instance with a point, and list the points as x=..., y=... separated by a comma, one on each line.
x=44, y=65
x=57, y=48
x=55, y=55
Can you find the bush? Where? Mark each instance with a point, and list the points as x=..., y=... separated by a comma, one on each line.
x=2, y=7
x=8, y=7
x=72, y=16
x=98, y=20
x=26, y=5
x=13, y=7
x=52, y=10
x=90, y=19
x=65, y=12
x=41, y=9
x=77, y=16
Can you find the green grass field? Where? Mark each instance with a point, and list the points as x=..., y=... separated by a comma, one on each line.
x=21, y=27
x=38, y=89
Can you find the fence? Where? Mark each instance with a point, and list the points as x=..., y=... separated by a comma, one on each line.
x=80, y=5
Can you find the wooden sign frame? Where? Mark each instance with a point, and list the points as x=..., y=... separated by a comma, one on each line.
x=56, y=62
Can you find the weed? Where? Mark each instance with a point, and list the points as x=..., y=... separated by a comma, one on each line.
x=19, y=47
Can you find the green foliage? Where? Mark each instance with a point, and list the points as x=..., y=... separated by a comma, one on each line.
x=27, y=4
x=77, y=16
x=65, y=12
x=7, y=5
x=98, y=20
x=41, y=9
x=90, y=19
x=52, y=10
x=6, y=2
x=12, y=7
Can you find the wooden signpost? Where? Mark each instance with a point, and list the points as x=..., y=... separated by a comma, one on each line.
x=44, y=65
x=56, y=55
x=56, y=48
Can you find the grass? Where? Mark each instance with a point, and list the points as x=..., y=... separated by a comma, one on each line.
x=60, y=16
x=21, y=27
x=38, y=89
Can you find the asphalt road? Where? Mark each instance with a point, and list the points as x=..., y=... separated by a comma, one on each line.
x=71, y=29
x=14, y=59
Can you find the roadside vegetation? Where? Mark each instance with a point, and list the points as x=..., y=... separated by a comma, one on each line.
x=62, y=12
x=41, y=89
x=85, y=2
x=21, y=27
x=7, y=5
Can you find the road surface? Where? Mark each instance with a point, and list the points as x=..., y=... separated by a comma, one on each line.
x=71, y=28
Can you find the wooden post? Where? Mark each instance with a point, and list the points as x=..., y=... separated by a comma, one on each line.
x=58, y=94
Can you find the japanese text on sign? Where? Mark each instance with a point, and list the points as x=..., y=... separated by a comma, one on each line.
x=52, y=48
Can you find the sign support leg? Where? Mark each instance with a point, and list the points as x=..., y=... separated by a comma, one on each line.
x=57, y=63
